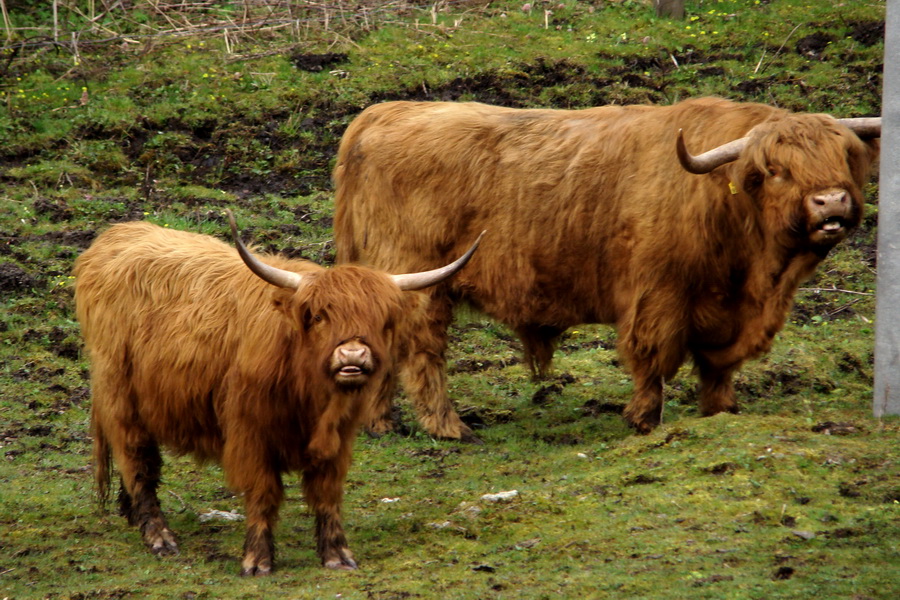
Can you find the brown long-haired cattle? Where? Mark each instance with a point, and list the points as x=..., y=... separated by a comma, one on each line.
x=595, y=218
x=193, y=350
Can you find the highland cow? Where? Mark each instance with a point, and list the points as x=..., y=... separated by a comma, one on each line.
x=603, y=216
x=263, y=364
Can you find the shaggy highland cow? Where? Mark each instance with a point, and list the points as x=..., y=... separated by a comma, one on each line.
x=602, y=216
x=266, y=370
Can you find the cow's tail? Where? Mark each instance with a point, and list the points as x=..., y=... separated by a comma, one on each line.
x=102, y=459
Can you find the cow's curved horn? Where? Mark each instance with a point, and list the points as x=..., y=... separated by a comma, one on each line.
x=864, y=127
x=275, y=276
x=709, y=160
x=418, y=281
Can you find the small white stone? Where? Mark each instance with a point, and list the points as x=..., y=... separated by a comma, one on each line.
x=500, y=496
x=220, y=515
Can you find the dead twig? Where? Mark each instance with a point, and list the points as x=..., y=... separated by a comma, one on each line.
x=835, y=289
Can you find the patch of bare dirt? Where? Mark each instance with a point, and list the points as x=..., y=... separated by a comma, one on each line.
x=14, y=278
x=867, y=33
x=317, y=62
x=814, y=44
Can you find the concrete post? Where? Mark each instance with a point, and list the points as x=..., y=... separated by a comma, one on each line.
x=669, y=8
x=886, y=399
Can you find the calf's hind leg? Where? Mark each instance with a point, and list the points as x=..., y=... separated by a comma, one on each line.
x=140, y=465
x=118, y=430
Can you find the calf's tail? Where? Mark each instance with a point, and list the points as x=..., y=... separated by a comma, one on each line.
x=102, y=458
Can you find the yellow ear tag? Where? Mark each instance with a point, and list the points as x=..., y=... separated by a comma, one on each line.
x=732, y=187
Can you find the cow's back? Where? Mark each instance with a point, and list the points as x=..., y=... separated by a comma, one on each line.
x=160, y=313
x=562, y=195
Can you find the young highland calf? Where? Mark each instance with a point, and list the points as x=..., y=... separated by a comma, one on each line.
x=266, y=369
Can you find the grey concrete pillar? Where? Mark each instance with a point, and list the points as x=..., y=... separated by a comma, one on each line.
x=886, y=400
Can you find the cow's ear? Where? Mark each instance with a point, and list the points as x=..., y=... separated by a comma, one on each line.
x=863, y=165
x=748, y=177
x=283, y=301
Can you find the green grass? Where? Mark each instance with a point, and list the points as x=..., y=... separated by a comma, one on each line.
x=797, y=497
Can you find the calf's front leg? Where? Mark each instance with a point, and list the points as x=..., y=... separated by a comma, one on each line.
x=262, y=505
x=323, y=485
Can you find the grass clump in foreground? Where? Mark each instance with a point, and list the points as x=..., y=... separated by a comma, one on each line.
x=797, y=497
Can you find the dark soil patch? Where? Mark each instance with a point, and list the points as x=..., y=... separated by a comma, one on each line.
x=849, y=363
x=783, y=574
x=814, y=44
x=867, y=33
x=478, y=417
x=15, y=279
x=595, y=408
x=779, y=380
x=55, y=211
x=561, y=439
x=518, y=87
x=721, y=468
x=317, y=62
x=642, y=479
x=832, y=428
x=469, y=365
x=750, y=87
x=546, y=393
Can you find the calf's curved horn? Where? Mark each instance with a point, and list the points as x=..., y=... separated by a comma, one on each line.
x=709, y=160
x=864, y=127
x=418, y=281
x=275, y=276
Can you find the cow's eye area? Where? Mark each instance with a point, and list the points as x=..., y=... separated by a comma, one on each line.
x=776, y=171
x=310, y=318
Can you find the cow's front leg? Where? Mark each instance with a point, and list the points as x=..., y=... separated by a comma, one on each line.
x=323, y=485
x=261, y=502
x=652, y=342
x=249, y=471
x=716, y=389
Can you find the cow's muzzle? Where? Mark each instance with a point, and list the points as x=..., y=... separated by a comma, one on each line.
x=352, y=363
x=830, y=215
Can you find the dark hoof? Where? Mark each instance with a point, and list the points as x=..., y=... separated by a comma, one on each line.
x=256, y=571
x=643, y=425
x=162, y=543
x=342, y=562
x=468, y=437
x=342, y=565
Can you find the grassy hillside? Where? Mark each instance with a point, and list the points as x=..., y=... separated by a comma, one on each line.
x=172, y=114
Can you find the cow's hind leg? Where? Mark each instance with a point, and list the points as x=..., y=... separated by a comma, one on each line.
x=118, y=430
x=424, y=375
x=644, y=411
x=323, y=485
x=540, y=343
x=716, y=389
x=382, y=418
x=141, y=464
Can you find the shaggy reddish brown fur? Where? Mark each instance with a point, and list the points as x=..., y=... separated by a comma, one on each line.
x=190, y=350
x=592, y=219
